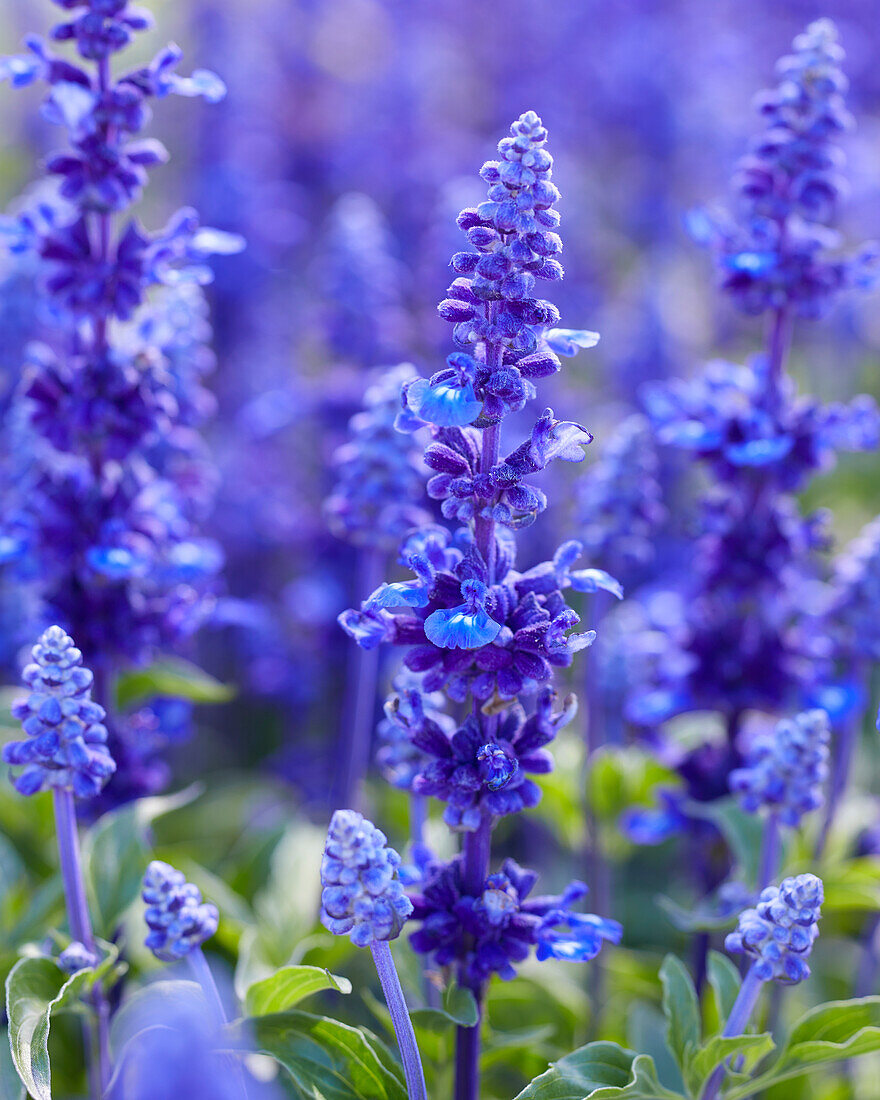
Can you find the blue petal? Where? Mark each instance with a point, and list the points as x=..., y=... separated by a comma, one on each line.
x=400, y=593
x=115, y=562
x=753, y=263
x=591, y=580
x=446, y=405
x=759, y=452
x=569, y=341
x=461, y=628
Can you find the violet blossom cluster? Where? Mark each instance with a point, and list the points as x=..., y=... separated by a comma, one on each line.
x=762, y=442
x=775, y=249
x=473, y=625
x=104, y=513
x=785, y=770
x=778, y=934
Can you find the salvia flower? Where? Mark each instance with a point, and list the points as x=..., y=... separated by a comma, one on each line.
x=743, y=421
x=66, y=745
x=178, y=919
x=406, y=711
x=474, y=775
x=493, y=932
x=362, y=894
x=76, y=956
x=855, y=602
x=786, y=769
x=502, y=638
x=380, y=474
x=773, y=250
x=779, y=933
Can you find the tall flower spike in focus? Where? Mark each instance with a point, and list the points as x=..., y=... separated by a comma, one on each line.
x=474, y=626
x=66, y=745
x=362, y=897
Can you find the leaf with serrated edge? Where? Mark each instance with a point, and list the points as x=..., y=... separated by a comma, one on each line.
x=288, y=986
x=681, y=1009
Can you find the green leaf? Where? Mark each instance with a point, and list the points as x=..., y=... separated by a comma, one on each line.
x=681, y=1009
x=35, y=990
x=725, y=981
x=329, y=1060
x=288, y=986
x=718, y=1048
x=459, y=1010
x=643, y=1085
x=830, y=1033
x=170, y=676
x=116, y=851
x=582, y=1072
x=11, y=1087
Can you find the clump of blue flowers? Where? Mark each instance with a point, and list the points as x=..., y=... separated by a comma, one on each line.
x=362, y=894
x=178, y=919
x=774, y=250
x=785, y=770
x=66, y=745
x=474, y=626
x=380, y=476
x=104, y=516
x=778, y=934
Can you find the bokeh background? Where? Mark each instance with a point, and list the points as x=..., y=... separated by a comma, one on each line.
x=351, y=136
x=349, y=139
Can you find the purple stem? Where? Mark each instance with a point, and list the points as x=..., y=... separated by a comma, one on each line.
x=476, y=845
x=360, y=712
x=403, y=1029
x=475, y=867
x=841, y=762
x=737, y=1022
x=81, y=925
x=198, y=964
x=418, y=816
x=771, y=845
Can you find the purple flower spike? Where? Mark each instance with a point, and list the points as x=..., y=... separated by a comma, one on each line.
x=66, y=746
x=178, y=919
x=362, y=894
x=779, y=933
x=785, y=770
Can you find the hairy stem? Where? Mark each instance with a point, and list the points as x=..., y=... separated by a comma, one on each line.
x=403, y=1029
x=737, y=1022
x=81, y=927
x=198, y=964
